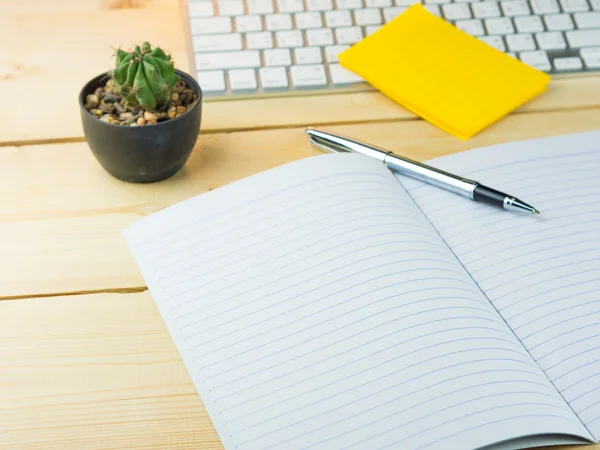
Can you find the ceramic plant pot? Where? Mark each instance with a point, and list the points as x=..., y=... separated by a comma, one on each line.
x=142, y=154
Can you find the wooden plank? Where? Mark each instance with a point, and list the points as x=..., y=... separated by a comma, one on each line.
x=97, y=372
x=61, y=215
x=45, y=66
x=37, y=6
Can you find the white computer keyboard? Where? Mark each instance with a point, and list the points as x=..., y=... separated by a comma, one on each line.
x=250, y=47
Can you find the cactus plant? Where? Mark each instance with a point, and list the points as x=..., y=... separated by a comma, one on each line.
x=145, y=76
x=143, y=88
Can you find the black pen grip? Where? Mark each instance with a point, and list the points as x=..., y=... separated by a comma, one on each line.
x=488, y=195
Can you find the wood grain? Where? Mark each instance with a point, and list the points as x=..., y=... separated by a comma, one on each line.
x=37, y=6
x=61, y=215
x=56, y=53
x=97, y=372
x=55, y=49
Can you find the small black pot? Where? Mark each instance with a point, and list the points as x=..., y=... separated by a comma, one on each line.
x=142, y=154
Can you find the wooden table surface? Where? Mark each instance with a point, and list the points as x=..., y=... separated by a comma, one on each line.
x=85, y=360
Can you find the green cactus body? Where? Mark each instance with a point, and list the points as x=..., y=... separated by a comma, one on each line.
x=144, y=76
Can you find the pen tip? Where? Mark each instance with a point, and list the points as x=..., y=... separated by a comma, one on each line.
x=535, y=211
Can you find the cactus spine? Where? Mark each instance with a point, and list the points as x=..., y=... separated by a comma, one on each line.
x=144, y=76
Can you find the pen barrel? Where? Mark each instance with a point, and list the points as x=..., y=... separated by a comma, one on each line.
x=431, y=175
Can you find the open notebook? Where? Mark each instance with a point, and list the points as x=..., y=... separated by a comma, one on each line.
x=327, y=304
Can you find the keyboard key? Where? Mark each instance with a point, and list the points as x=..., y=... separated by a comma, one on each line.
x=278, y=57
x=308, y=20
x=319, y=37
x=501, y=25
x=390, y=14
x=348, y=35
x=260, y=6
x=551, y=40
x=308, y=76
x=515, y=8
x=212, y=81
x=260, y=40
x=349, y=4
x=537, y=59
x=545, y=6
x=332, y=52
x=341, y=76
x=434, y=9
x=408, y=3
x=574, y=5
x=319, y=5
x=231, y=7
x=291, y=38
x=201, y=9
x=335, y=19
x=217, y=42
x=211, y=25
x=242, y=80
x=520, y=42
x=378, y=3
x=473, y=27
x=308, y=55
x=483, y=10
x=287, y=6
x=495, y=41
x=595, y=4
x=244, y=24
x=584, y=38
x=227, y=60
x=455, y=11
x=367, y=16
x=273, y=77
x=591, y=57
x=276, y=22
x=567, y=64
x=370, y=29
x=558, y=22
x=529, y=24
x=587, y=19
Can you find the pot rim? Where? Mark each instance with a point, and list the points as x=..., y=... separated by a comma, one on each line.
x=195, y=86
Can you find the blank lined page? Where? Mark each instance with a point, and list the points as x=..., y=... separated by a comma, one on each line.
x=315, y=307
x=541, y=272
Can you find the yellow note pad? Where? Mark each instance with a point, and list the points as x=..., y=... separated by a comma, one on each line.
x=442, y=74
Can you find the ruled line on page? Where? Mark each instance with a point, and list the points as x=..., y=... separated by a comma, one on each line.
x=316, y=324
x=345, y=351
x=348, y=376
x=332, y=306
x=319, y=244
x=354, y=177
x=337, y=280
x=344, y=210
x=256, y=276
x=404, y=395
x=541, y=272
x=328, y=331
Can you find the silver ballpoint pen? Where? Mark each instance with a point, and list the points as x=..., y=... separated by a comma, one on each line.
x=470, y=189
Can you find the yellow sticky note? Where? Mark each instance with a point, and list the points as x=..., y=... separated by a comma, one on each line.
x=443, y=74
